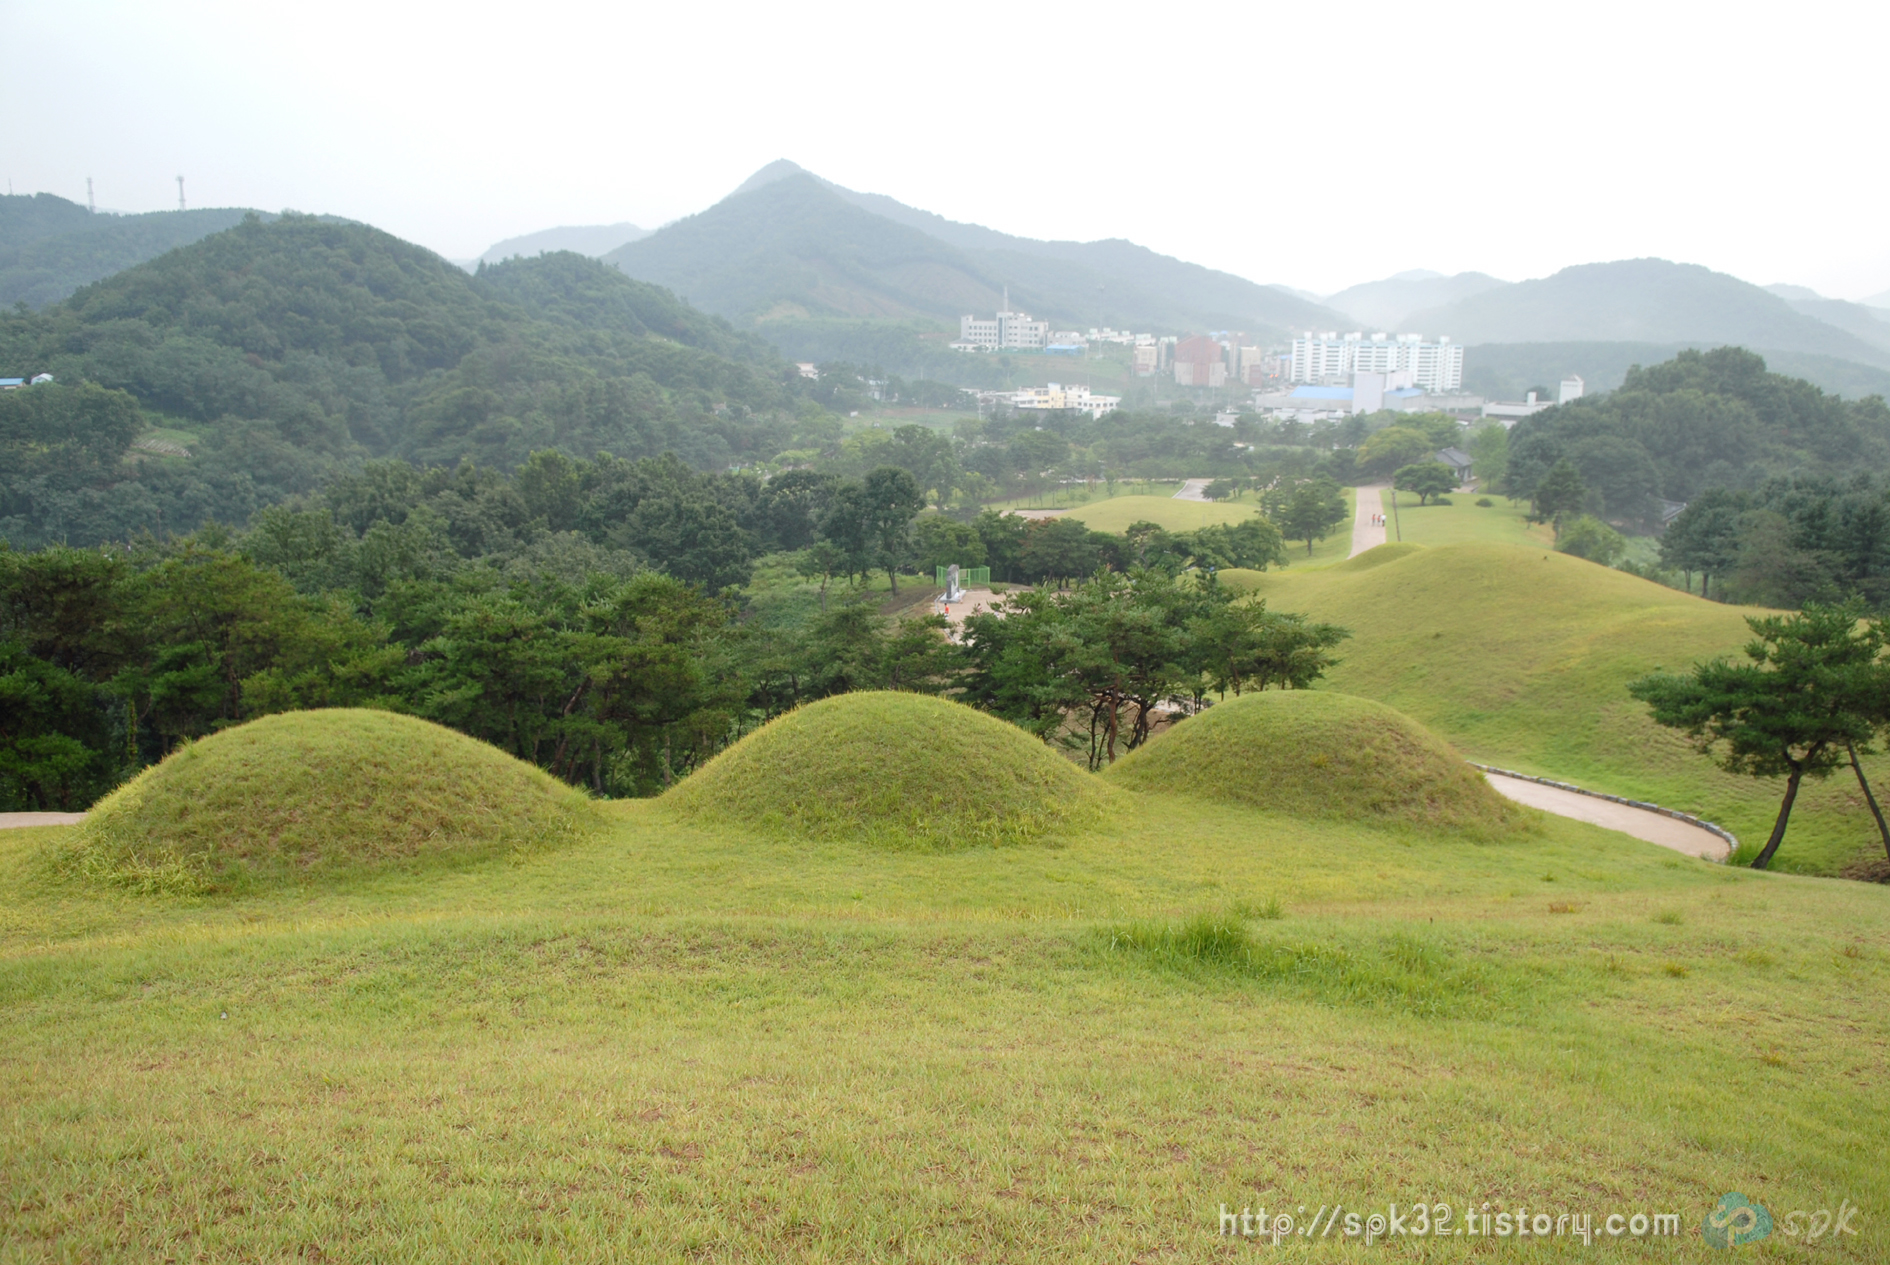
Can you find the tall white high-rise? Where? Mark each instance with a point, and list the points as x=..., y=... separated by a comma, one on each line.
x=1328, y=358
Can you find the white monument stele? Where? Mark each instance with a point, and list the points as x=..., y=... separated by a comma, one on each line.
x=952, y=591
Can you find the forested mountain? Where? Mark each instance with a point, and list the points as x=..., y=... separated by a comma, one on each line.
x=585, y=239
x=1701, y=420
x=1133, y=285
x=1384, y=305
x=1643, y=301
x=1504, y=371
x=807, y=262
x=279, y=354
x=49, y=247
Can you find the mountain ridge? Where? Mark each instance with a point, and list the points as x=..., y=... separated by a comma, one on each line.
x=1644, y=300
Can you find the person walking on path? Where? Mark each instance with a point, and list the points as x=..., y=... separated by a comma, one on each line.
x=1368, y=522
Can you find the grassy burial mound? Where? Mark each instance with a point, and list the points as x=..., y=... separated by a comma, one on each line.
x=901, y=770
x=1315, y=753
x=314, y=794
x=1521, y=657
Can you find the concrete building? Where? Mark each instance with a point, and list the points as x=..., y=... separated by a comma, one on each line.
x=1074, y=398
x=1571, y=389
x=1509, y=412
x=1327, y=358
x=1148, y=358
x=1200, y=361
x=1007, y=331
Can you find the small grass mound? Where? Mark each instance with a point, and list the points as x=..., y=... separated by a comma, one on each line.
x=897, y=770
x=315, y=794
x=1320, y=754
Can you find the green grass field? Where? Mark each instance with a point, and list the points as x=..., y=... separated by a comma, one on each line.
x=1521, y=657
x=676, y=1043
x=1464, y=520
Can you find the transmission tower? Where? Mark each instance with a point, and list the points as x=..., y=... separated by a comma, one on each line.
x=180, y=193
x=90, y=205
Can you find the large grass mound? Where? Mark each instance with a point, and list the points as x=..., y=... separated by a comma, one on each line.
x=899, y=770
x=1521, y=657
x=1319, y=754
x=314, y=794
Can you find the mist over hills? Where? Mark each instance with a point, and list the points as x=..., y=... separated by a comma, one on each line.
x=791, y=254
x=1384, y=305
x=1644, y=301
x=594, y=240
x=49, y=246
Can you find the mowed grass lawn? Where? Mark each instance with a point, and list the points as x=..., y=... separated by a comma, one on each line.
x=665, y=1043
x=1464, y=520
x=1522, y=657
x=1116, y=515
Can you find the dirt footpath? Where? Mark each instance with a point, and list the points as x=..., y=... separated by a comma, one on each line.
x=1653, y=827
x=13, y=821
x=1365, y=533
x=970, y=602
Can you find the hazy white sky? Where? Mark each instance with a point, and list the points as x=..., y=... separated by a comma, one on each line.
x=1315, y=145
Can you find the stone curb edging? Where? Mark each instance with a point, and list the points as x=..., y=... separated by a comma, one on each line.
x=1732, y=844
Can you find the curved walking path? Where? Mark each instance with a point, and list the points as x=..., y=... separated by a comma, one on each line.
x=1193, y=490
x=1365, y=533
x=1668, y=832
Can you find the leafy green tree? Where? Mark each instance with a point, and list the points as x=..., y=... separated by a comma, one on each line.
x=892, y=501
x=1392, y=448
x=1588, y=537
x=1807, y=695
x=938, y=541
x=1704, y=537
x=1059, y=549
x=1243, y=645
x=1559, y=493
x=1253, y=543
x=1311, y=510
x=1489, y=453
x=1429, y=479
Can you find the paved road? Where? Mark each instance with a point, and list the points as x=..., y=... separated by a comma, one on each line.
x=1193, y=490
x=11, y=821
x=1653, y=827
x=1365, y=533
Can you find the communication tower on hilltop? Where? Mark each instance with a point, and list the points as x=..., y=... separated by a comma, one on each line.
x=180, y=193
x=90, y=205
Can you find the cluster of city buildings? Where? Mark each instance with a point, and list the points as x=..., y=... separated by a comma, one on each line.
x=1320, y=376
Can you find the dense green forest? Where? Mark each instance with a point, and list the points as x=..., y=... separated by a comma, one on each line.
x=278, y=355
x=1701, y=420
x=49, y=247
x=614, y=621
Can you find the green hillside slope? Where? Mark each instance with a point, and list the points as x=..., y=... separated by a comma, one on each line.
x=830, y=273
x=49, y=247
x=1642, y=301
x=277, y=353
x=1522, y=656
x=793, y=247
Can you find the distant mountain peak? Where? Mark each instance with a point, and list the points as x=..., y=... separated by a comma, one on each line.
x=1416, y=274
x=1790, y=292
x=779, y=169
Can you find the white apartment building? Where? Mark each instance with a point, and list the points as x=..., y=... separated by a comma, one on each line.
x=1006, y=331
x=1328, y=358
x=1055, y=396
